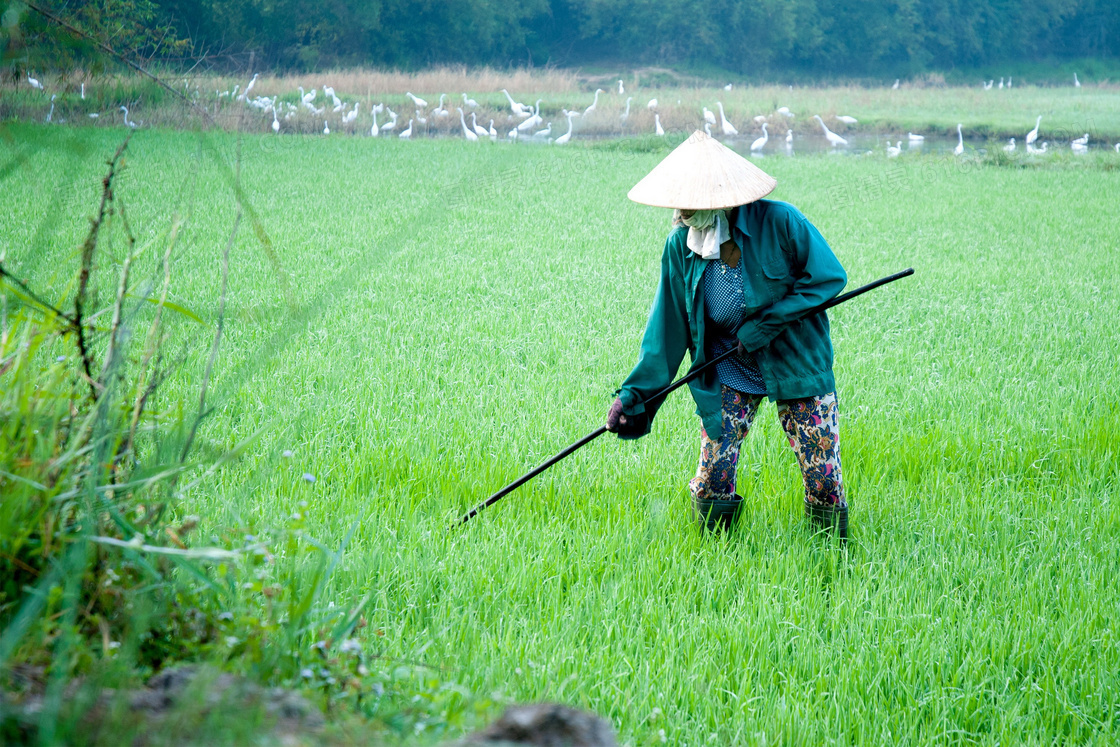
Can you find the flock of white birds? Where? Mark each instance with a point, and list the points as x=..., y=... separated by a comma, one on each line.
x=527, y=121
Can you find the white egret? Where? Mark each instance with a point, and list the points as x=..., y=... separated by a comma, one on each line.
x=390, y=126
x=728, y=128
x=441, y=111
x=83, y=92
x=275, y=121
x=1033, y=134
x=657, y=128
x=126, y=119
x=1083, y=140
x=626, y=114
x=94, y=115
x=493, y=133
x=833, y=139
x=621, y=90
x=1001, y=84
x=652, y=105
x=761, y=142
x=789, y=138
x=893, y=151
x=373, y=131
x=960, y=142
x=478, y=129
x=784, y=111
x=513, y=105
x=728, y=87
x=419, y=102
x=846, y=119
x=1010, y=147
x=1076, y=82
x=915, y=138
x=1079, y=149
x=760, y=119
x=1116, y=147
x=466, y=133
x=1009, y=81
x=50, y=114
x=988, y=85
x=34, y=83
x=709, y=117
x=563, y=139
x=708, y=129
x=326, y=127
x=249, y=87
x=543, y=134
x=532, y=121
x=469, y=102
x=594, y=103
x=512, y=134
x=350, y=116
x=406, y=134
x=896, y=82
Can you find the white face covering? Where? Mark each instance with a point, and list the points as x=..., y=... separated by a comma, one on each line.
x=707, y=229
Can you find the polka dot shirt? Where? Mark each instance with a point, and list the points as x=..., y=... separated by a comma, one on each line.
x=725, y=309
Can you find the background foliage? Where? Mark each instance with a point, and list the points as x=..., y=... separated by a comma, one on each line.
x=756, y=38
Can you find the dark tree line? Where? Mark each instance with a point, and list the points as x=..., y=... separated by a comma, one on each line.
x=837, y=37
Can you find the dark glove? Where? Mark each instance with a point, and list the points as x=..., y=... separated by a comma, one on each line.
x=627, y=426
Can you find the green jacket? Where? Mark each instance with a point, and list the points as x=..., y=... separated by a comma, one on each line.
x=789, y=268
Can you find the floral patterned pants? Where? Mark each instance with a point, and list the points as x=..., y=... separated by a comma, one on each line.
x=811, y=424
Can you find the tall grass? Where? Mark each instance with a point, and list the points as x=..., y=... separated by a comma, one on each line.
x=104, y=578
x=457, y=314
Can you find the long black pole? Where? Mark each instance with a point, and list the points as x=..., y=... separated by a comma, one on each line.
x=663, y=393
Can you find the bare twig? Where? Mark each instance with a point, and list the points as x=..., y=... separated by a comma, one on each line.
x=88, y=249
x=147, y=387
x=31, y=294
x=118, y=305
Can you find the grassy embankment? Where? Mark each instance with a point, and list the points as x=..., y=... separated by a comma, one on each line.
x=457, y=314
x=1067, y=112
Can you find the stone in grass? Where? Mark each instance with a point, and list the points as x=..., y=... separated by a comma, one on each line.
x=543, y=725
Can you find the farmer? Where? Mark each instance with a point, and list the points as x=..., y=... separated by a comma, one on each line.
x=737, y=272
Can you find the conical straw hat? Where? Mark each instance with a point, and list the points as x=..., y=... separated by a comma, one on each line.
x=703, y=174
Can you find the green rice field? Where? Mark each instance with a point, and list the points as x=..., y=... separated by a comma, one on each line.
x=429, y=320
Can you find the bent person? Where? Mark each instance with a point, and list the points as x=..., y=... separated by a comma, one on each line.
x=739, y=272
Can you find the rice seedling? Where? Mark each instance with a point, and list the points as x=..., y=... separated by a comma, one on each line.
x=436, y=318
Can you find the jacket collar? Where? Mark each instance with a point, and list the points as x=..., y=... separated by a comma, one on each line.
x=741, y=219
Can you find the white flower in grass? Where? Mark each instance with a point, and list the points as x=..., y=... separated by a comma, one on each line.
x=320, y=645
x=308, y=477
x=661, y=736
x=306, y=673
x=232, y=641
x=114, y=645
x=60, y=359
x=287, y=454
x=655, y=714
x=350, y=646
x=518, y=671
x=225, y=616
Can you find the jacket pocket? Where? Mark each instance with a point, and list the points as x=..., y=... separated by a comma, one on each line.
x=776, y=268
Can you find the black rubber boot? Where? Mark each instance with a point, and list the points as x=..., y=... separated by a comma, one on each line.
x=716, y=513
x=825, y=516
